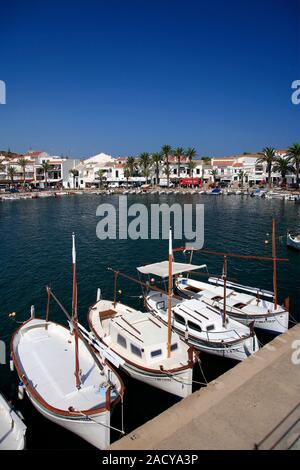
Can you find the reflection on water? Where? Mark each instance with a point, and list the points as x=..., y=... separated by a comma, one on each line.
x=35, y=250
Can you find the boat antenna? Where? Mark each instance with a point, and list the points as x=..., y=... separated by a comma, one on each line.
x=274, y=263
x=74, y=313
x=170, y=291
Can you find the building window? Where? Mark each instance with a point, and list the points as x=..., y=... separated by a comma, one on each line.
x=135, y=350
x=117, y=173
x=174, y=347
x=197, y=171
x=121, y=341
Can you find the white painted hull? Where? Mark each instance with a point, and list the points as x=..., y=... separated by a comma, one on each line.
x=96, y=430
x=239, y=351
x=273, y=324
x=292, y=243
x=179, y=384
x=12, y=428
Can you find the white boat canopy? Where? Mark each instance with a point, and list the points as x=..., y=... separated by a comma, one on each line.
x=161, y=269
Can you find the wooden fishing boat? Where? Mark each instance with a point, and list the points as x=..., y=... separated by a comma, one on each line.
x=200, y=325
x=12, y=427
x=141, y=343
x=245, y=304
x=45, y=355
x=293, y=240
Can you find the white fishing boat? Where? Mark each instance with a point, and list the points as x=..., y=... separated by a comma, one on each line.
x=243, y=303
x=141, y=342
x=63, y=378
x=201, y=325
x=293, y=240
x=12, y=427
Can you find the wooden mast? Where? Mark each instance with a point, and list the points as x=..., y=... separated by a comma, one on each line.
x=224, y=295
x=74, y=314
x=170, y=291
x=274, y=263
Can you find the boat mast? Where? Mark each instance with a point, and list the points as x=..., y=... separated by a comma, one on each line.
x=224, y=295
x=74, y=314
x=274, y=263
x=170, y=291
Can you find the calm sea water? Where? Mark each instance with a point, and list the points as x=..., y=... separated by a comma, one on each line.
x=35, y=250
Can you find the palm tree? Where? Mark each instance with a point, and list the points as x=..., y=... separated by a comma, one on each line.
x=145, y=164
x=11, y=173
x=156, y=160
x=268, y=157
x=100, y=176
x=178, y=153
x=191, y=166
x=166, y=150
x=131, y=165
x=23, y=163
x=127, y=174
x=190, y=153
x=294, y=157
x=2, y=167
x=46, y=167
x=74, y=174
x=283, y=166
x=242, y=175
x=214, y=173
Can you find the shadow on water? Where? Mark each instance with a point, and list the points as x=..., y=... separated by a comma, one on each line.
x=35, y=250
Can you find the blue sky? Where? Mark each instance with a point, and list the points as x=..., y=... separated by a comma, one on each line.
x=128, y=76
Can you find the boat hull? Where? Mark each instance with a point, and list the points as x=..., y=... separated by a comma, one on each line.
x=239, y=351
x=94, y=430
x=12, y=428
x=292, y=243
x=179, y=384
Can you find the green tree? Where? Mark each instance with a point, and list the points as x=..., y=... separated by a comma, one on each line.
x=156, y=160
x=166, y=150
x=131, y=164
x=214, y=174
x=283, y=166
x=145, y=164
x=23, y=164
x=242, y=174
x=268, y=157
x=191, y=166
x=100, y=176
x=46, y=167
x=127, y=174
x=190, y=153
x=11, y=173
x=74, y=174
x=178, y=153
x=293, y=154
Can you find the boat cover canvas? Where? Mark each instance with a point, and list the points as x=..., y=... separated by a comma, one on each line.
x=161, y=269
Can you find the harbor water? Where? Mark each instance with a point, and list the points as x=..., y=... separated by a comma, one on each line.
x=35, y=251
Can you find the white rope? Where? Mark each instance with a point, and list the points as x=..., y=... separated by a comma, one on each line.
x=100, y=424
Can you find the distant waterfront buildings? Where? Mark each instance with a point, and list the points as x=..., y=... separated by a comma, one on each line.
x=93, y=171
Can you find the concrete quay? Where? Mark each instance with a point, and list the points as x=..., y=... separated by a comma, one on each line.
x=255, y=405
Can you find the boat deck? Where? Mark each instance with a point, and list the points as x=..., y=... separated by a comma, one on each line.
x=48, y=358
